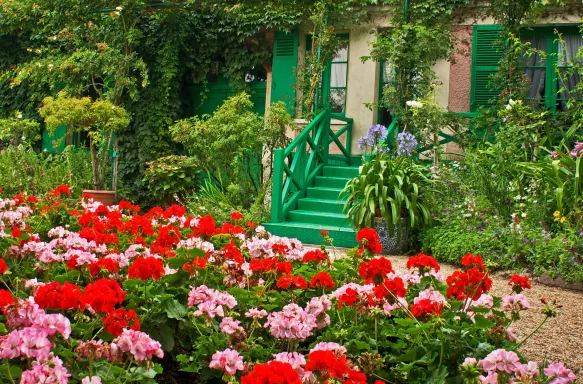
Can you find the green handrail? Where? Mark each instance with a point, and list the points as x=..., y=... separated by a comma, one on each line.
x=295, y=167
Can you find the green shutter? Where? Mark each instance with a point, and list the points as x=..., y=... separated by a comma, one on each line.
x=285, y=61
x=486, y=56
x=54, y=142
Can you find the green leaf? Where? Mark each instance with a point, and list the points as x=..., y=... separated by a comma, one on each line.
x=174, y=310
x=482, y=323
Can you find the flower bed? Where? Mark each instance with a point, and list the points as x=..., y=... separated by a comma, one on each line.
x=111, y=295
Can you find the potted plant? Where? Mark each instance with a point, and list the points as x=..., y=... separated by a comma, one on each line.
x=100, y=119
x=388, y=195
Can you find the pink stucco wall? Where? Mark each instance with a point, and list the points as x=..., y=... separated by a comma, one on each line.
x=460, y=81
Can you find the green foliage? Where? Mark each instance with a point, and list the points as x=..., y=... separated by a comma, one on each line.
x=419, y=37
x=170, y=178
x=17, y=129
x=228, y=145
x=24, y=170
x=562, y=174
x=391, y=189
x=99, y=118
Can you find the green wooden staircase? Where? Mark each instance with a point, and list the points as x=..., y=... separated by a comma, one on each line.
x=307, y=182
x=321, y=209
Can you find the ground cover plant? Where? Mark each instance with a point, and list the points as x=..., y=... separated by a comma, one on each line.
x=97, y=294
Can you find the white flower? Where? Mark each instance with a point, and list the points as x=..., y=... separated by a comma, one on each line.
x=523, y=214
x=511, y=102
x=20, y=115
x=414, y=104
x=508, y=107
x=119, y=8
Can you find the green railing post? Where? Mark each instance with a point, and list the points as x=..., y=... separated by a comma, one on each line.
x=349, y=144
x=277, y=186
x=326, y=127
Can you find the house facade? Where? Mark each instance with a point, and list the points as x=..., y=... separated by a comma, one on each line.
x=463, y=82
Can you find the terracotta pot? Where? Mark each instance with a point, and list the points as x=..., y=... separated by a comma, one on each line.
x=106, y=198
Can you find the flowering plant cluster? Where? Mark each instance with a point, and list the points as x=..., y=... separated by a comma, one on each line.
x=97, y=294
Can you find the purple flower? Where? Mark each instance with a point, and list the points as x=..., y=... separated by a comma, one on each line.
x=407, y=143
x=376, y=134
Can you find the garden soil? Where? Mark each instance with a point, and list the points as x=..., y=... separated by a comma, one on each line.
x=559, y=339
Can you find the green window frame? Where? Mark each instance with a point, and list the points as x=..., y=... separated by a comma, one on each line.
x=487, y=53
x=386, y=78
x=551, y=98
x=341, y=87
x=328, y=87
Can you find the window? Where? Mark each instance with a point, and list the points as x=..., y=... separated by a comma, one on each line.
x=387, y=77
x=337, y=72
x=339, y=77
x=547, y=68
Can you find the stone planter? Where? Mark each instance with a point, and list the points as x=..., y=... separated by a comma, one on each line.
x=106, y=198
x=393, y=243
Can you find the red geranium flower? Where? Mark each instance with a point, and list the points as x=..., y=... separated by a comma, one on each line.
x=205, y=226
x=426, y=307
x=292, y=282
x=16, y=232
x=145, y=268
x=118, y=319
x=322, y=279
x=250, y=224
x=56, y=296
x=519, y=283
x=355, y=377
x=327, y=364
x=107, y=265
x=103, y=295
x=231, y=252
x=471, y=283
x=236, y=216
x=314, y=255
x=5, y=298
x=471, y=261
x=324, y=232
x=375, y=270
x=368, y=234
x=395, y=286
x=279, y=249
x=348, y=298
x=61, y=190
x=272, y=373
x=3, y=267
x=423, y=262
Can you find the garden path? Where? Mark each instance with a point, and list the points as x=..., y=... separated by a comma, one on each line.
x=559, y=339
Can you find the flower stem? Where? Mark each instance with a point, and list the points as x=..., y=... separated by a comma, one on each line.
x=532, y=333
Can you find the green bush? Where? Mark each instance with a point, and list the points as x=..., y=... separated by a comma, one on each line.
x=24, y=170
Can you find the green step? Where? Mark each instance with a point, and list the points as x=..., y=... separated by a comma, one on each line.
x=325, y=193
x=344, y=172
x=310, y=233
x=331, y=182
x=321, y=205
x=315, y=217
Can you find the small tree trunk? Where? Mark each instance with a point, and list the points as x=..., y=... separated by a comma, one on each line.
x=94, y=165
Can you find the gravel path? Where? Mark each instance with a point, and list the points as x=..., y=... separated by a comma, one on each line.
x=559, y=339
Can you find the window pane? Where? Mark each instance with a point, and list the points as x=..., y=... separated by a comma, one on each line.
x=537, y=43
x=536, y=77
x=568, y=49
x=337, y=100
x=342, y=53
x=567, y=82
x=339, y=72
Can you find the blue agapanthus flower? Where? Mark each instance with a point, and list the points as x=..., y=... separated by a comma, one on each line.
x=407, y=143
x=376, y=135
